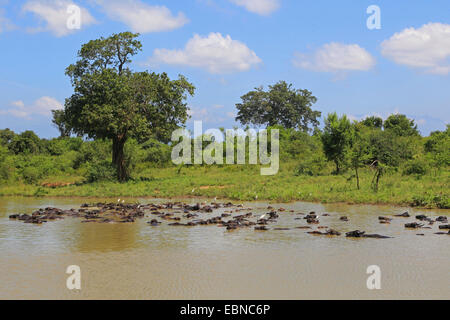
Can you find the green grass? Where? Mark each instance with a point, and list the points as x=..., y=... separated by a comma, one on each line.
x=246, y=183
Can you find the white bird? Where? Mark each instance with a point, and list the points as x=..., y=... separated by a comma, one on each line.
x=263, y=216
x=118, y=200
x=123, y=201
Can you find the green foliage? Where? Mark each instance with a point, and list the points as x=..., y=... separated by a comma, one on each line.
x=26, y=143
x=336, y=139
x=6, y=136
x=373, y=122
x=112, y=102
x=438, y=148
x=156, y=153
x=6, y=164
x=32, y=175
x=100, y=171
x=416, y=167
x=440, y=201
x=314, y=165
x=92, y=151
x=401, y=126
x=60, y=122
x=280, y=105
x=389, y=149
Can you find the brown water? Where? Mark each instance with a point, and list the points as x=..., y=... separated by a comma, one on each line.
x=136, y=261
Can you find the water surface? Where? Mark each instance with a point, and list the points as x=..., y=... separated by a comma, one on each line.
x=137, y=261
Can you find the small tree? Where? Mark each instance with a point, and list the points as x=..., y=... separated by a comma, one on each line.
x=336, y=139
x=401, y=126
x=387, y=151
x=280, y=105
x=60, y=123
x=360, y=152
x=438, y=148
x=112, y=102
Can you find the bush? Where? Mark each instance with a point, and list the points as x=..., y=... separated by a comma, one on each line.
x=6, y=164
x=100, y=171
x=441, y=201
x=55, y=147
x=416, y=167
x=26, y=143
x=157, y=153
x=312, y=166
x=92, y=151
x=31, y=175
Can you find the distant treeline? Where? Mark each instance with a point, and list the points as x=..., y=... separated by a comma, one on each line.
x=341, y=147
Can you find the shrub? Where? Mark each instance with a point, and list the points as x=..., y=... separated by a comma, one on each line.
x=416, y=167
x=312, y=166
x=156, y=152
x=441, y=201
x=100, y=171
x=31, y=175
x=6, y=164
x=27, y=142
x=92, y=151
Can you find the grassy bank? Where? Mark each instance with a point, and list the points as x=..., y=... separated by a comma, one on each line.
x=245, y=183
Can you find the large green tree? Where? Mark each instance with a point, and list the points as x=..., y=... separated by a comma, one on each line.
x=110, y=101
x=280, y=105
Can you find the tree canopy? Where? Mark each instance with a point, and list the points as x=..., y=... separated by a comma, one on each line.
x=373, y=122
x=337, y=138
x=401, y=125
x=110, y=101
x=280, y=105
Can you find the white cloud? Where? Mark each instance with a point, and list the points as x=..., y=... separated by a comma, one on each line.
x=18, y=104
x=141, y=17
x=427, y=47
x=336, y=57
x=5, y=23
x=42, y=106
x=55, y=15
x=215, y=53
x=261, y=7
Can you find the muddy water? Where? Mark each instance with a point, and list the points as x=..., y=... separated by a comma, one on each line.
x=137, y=261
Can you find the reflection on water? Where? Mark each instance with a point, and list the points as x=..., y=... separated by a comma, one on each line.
x=136, y=261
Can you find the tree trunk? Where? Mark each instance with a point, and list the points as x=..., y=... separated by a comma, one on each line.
x=357, y=177
x=378, y=179
x=118, y=158
x=337, y=167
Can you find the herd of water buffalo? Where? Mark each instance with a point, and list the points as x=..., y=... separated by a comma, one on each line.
x=231, y=218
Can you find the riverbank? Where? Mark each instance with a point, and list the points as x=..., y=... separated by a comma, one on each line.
x=244, y=183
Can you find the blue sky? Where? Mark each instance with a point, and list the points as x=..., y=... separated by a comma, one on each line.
x=228, y=47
